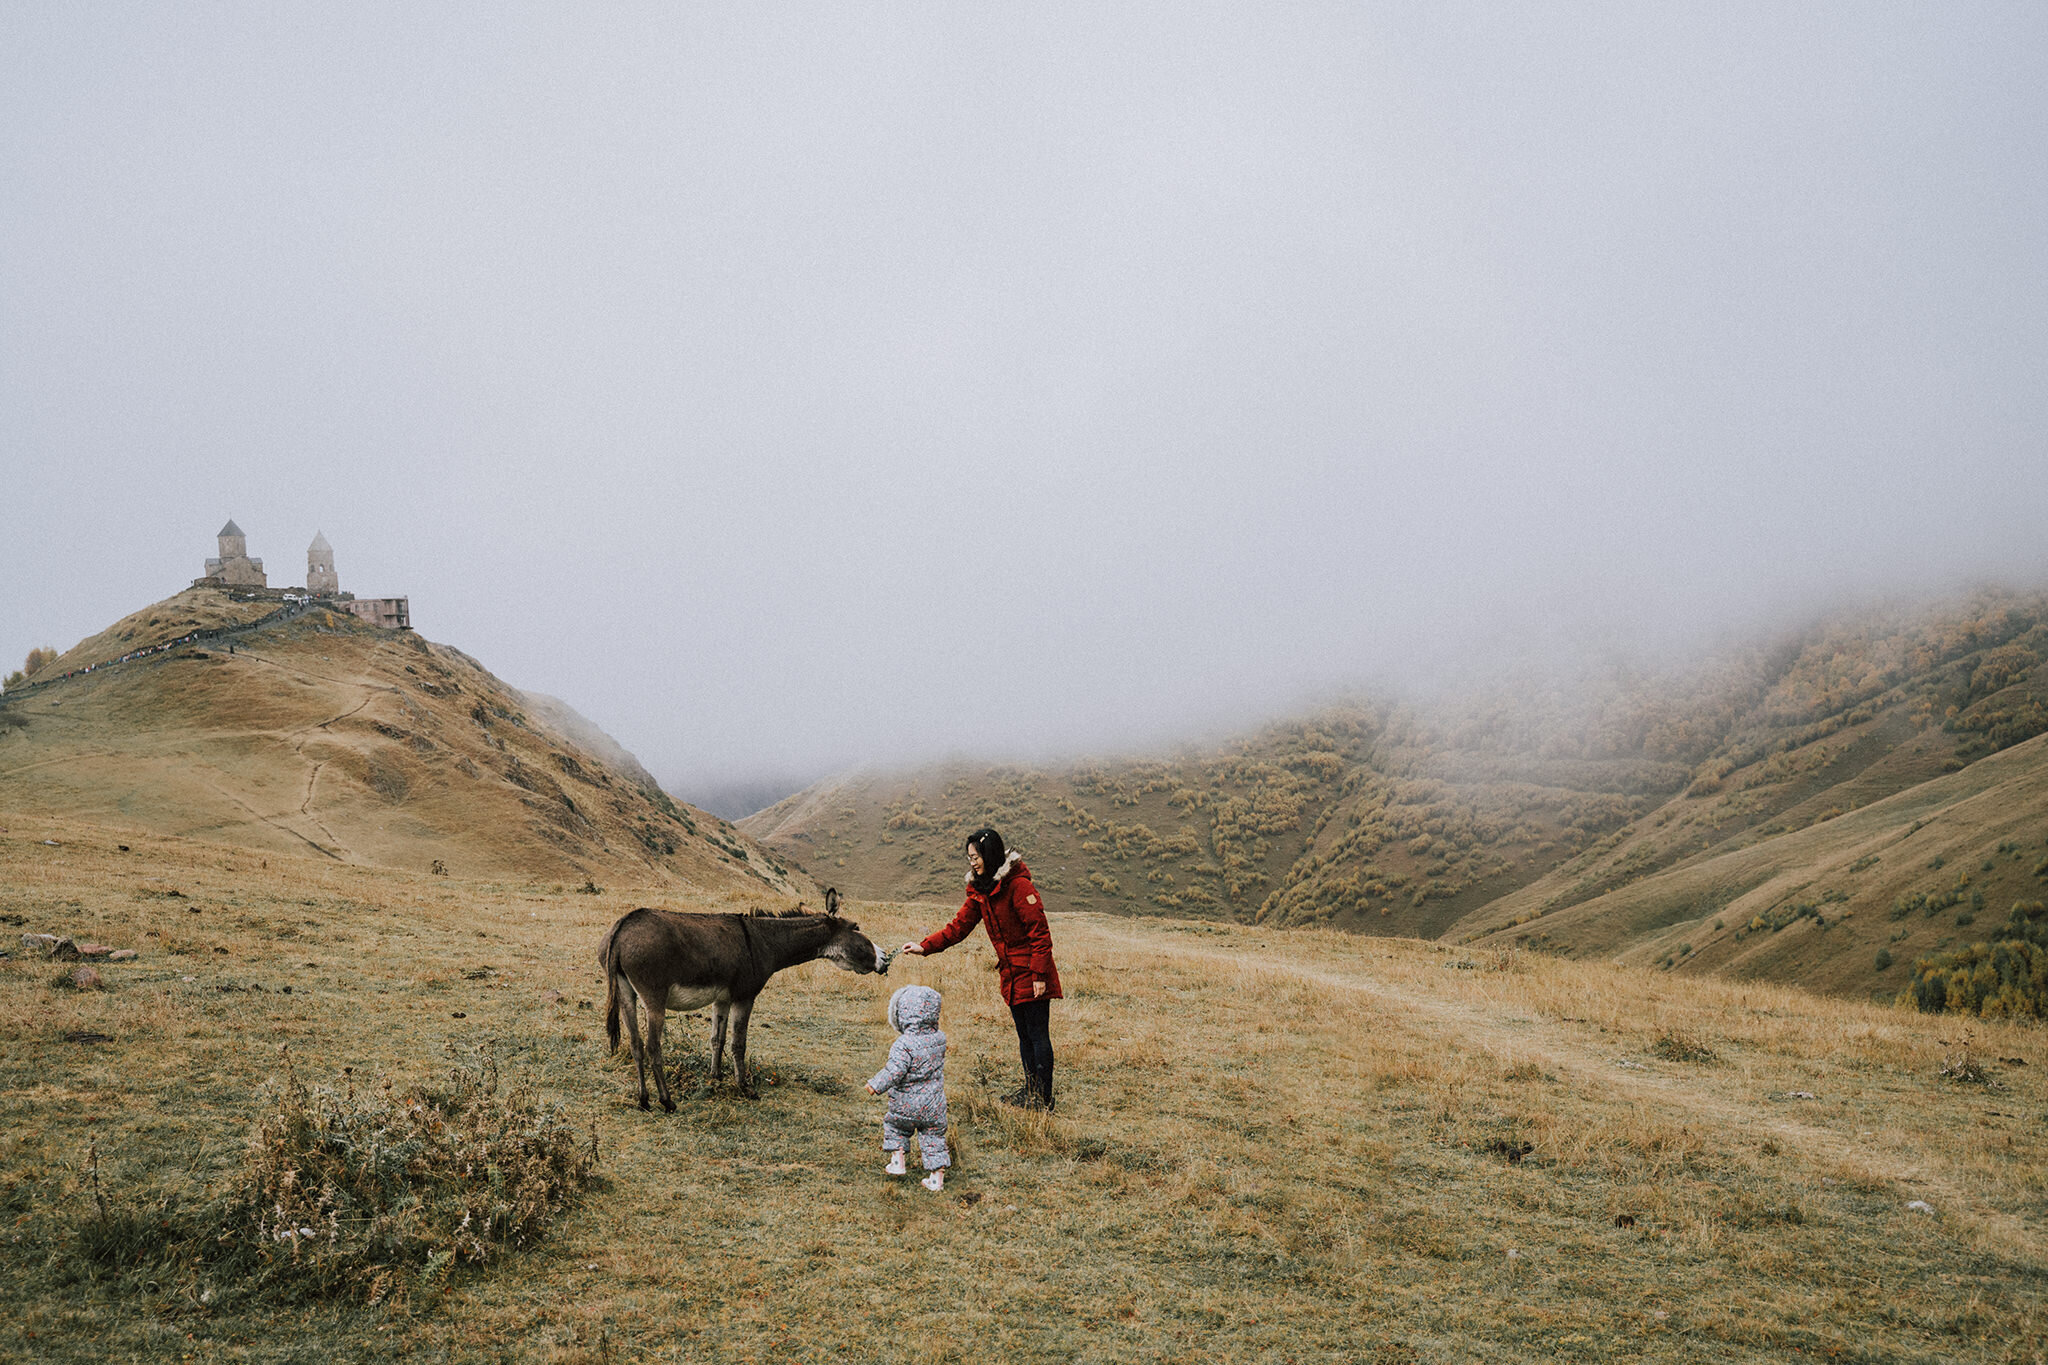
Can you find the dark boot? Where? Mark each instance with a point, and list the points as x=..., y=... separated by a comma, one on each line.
x=1031, y=1095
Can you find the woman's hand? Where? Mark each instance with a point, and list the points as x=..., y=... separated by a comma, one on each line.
x=1038, y=988
x=913, y=949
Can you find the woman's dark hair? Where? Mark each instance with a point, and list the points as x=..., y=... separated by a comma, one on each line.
x=989, y=844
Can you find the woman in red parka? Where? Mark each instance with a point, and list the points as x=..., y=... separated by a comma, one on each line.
x=1001, y=898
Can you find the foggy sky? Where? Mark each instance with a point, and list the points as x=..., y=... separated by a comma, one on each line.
x=792, y=387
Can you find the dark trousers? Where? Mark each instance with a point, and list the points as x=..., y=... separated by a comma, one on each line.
x=1034, y=1043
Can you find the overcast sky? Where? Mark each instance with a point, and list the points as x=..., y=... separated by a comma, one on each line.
x=795, y=387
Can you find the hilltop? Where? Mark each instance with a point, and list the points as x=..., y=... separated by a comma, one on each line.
x=1684, y=817
x=307, y=731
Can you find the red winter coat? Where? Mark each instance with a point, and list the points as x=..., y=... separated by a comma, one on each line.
x=1014, y=915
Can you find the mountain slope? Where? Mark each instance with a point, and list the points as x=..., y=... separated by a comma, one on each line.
x=1845, y=904
x=324, y=736
x=1228, y=832
x=1529, y=798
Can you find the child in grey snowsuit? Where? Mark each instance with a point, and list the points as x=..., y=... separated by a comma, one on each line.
x=915, y=1082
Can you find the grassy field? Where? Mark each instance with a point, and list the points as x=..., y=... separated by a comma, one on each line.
x=1272, y=1144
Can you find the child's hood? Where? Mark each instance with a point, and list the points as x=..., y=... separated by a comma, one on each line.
x=914, y=1009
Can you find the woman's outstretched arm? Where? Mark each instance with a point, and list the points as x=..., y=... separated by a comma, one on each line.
x=962, y=925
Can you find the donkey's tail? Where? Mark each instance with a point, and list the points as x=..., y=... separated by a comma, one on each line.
x=611, y=1012
x=608, y=959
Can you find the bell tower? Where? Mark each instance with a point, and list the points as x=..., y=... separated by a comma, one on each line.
x=321, y=580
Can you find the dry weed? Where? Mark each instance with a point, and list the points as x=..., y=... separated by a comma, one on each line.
x=1028, y=1132
x=1683, y=1045
x=1959, y=1063
x=381, y=1192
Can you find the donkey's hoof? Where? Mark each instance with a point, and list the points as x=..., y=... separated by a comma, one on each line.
x=669, y=1105
x=644, y=1105
x=747, y=1092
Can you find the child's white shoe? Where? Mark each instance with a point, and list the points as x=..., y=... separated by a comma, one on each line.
x=936, y=1181
x=896, y=1166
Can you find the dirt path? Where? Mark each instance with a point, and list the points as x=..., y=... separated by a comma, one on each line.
x=311, y=778
x=1705, y=1098
x=301, y=735
x=62, y=759
x=278, y=825
x=369, y=689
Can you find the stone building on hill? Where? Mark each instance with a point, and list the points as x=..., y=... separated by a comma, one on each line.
x=234, y=568
x=392, y=613
x=321, y=579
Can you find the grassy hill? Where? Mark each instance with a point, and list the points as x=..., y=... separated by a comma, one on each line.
x=1847, y=903
x=325, y=736
x=1273, y=1144
x=1627, y=811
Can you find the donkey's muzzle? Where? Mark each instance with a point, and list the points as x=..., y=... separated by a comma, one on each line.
x=882, y=961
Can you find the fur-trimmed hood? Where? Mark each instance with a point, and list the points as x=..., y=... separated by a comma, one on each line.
x=914, y=1009
x=1010, y=864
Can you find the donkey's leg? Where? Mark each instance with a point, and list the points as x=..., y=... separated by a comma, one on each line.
x=718, y=1042
x=741, y=1011
x=629, y=1005
x=655, y=1015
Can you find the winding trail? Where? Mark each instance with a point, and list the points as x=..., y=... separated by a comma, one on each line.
x=65, y=759
x=280, y=825
x=299, y=738
x=311, y=778
x=1723, y=1100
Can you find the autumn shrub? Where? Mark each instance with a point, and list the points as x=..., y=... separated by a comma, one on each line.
x=1932, y=903
x=1779, y=916
x=382, y=1195
x=2005, y=978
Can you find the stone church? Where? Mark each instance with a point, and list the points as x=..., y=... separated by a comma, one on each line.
x=234, y=568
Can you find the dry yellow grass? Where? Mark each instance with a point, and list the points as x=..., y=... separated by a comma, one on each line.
x=366, y=746
x=194, y=609
x=1272, y=1145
